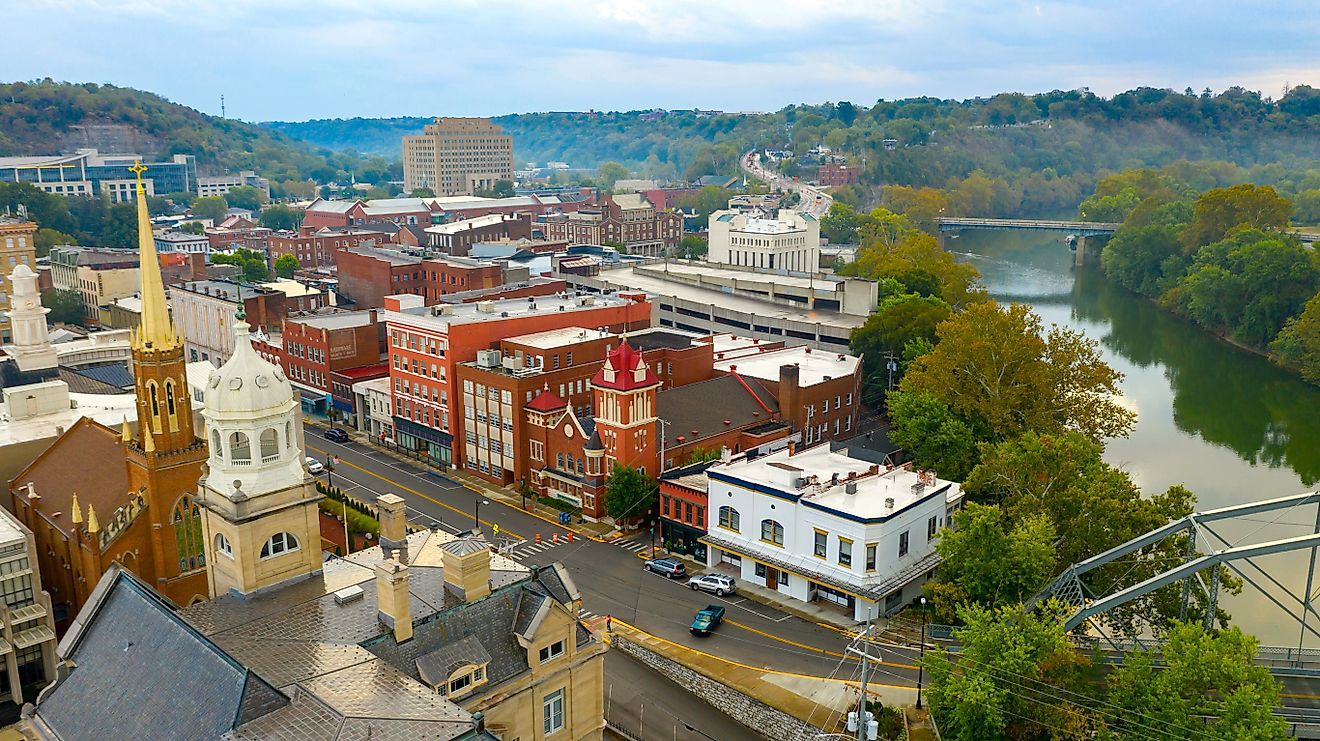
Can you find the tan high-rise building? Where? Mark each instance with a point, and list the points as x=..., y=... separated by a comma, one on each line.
x=457, y=156
x=16, y=248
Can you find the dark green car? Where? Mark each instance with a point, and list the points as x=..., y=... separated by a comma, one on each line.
x=707, y=620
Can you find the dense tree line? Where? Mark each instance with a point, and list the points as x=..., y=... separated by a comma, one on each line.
x=37, y=118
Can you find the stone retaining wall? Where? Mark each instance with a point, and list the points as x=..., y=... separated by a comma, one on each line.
x=768, y=722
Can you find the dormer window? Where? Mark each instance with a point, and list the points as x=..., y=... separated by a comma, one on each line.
x=463, y=680
x=553, y=651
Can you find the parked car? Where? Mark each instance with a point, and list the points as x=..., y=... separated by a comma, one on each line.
x=707, y=620
x=336, y=435
x=666, y=567
x=715, y=583
x=314, y=466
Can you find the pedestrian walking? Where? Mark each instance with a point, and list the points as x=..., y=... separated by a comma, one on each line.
x=609, y=623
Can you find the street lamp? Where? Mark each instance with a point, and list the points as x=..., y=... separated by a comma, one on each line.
x=476, y=513
x=690, y=729
x=921, y=663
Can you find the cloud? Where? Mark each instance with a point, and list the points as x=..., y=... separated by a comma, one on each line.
x=299, y=59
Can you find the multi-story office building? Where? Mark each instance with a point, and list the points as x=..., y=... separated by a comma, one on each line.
x=90, y=173
x=204, y=310
x=630, y=219
x=315, y=348
x=788, y=242
x=457, y=156
x=426, y=342
x=27, y=620
x=16, y=248
x=824, y=526
x=99, y=276
x=168, y=243
x=219, y=185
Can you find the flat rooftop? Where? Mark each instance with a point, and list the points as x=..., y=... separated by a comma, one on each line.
x=727, y=344
x=393, y=257
x=814, y=366
x=819, y=281
x=337, y=320
x=441, y=316
x=553, y=338
x=10, y=531
x=758, y=225
x=455, y=227
x=291, y=288
x=218, y=288
x=765, y=312
x=660, y=337
x=874, y=485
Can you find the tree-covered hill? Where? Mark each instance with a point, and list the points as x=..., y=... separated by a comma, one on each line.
x=48, y=117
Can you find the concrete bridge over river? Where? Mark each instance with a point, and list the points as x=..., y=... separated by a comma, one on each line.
x=1075, y=232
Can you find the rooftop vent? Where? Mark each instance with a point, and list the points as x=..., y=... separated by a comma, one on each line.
x=851, y=487
x=889, y=502
x=348, y=594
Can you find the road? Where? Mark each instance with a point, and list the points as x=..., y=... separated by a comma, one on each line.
x=751, y=164
x=612, y=581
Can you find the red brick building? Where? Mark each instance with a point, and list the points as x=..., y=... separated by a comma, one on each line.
x=427, y=343
x=322, y=213
x=457, y=237
x=316, y=347
x=684, y=506
x=319, y=248
x=818, y=392
x=834, y=173
x=630, y=219
x=368, y=274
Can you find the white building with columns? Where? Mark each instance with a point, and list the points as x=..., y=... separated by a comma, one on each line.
x=787, y=242
x=822, y=526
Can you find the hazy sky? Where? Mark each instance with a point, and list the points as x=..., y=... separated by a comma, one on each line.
x=301, y=59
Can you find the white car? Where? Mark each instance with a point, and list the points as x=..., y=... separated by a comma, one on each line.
x=314, y=466
x=716, y=583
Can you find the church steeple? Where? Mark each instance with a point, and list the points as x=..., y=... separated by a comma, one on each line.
x=156, y=330
x=165, y=422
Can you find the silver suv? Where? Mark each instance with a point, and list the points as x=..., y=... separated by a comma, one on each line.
x=716, y=583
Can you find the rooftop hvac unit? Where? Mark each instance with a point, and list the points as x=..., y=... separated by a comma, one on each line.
x=348, y=594
x=489, y=358
x=487, y=307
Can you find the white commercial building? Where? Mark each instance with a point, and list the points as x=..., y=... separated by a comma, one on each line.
x=182, y=242
x=820, y=525
x=371, y=400
x=220, y=185
x=788, y=242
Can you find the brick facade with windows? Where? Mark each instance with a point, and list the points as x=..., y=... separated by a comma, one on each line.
x=628, y=219
x=316, y=347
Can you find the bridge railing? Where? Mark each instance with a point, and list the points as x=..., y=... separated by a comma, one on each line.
x=966, y=222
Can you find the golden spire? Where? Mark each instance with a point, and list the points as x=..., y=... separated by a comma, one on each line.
x=148, y=442
x=93, y=526
x=77, y=511
x=155, y=328
x=126, y=433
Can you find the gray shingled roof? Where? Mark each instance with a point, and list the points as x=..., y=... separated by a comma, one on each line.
x=182, y=686
x=466, y=546
x=705, y=405
x=434, y=668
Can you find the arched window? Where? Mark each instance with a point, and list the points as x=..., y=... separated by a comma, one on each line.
x=222, y=545
x=729, y=519
x=570, y=463
x=270, y=445
x=169, y=397
x=187, y=521
x=579, y=466
x=240, y=448
x=279, y=543
x=155, y=406
x=559, y=461
x=772, y=532
x=215, y=445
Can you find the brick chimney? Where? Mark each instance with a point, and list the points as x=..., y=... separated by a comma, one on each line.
x=467, y=567
x=393, y=527
x=392, y=600
x=790, y=393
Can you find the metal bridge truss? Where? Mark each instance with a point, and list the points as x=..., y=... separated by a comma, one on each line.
x=1070, y=588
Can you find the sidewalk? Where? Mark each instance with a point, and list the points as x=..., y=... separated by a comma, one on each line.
x=820, y=701
x=593, y=530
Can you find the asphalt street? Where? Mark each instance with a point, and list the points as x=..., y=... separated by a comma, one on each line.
x=649, y=706
x=612, y=581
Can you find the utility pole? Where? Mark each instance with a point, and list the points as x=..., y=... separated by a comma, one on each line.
x=859, y=721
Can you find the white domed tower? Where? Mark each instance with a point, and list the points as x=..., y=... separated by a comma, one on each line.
x=260, y=520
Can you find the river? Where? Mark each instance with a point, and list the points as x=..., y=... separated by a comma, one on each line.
x=1223, y=422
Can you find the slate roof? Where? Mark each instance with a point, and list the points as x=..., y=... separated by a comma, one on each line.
x=705, y=405
x=135, y=633
x=81, y=384
x=116, y=375
x=339, y=672
x=434, y=668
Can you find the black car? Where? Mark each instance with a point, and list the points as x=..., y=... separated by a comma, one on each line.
x=336, y=434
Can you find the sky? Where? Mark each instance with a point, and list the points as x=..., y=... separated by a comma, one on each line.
x=304, y=59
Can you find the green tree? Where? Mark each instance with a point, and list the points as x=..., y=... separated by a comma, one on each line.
x=504, y=189
x=181, y=198
x=253, y=263
x=1298, y=344
x=244, y=196
x=422, y=193
x=892, y=248
x=840, y=223
x=1011, y=680
x=897, y=321
x=630, y=494
x=703, y=455
x=609, y=173
x=932, y=433
x=1218, y=211
x=280, y=218
x=706, y=201
x=1193, y=677
x=922, y=206
x=998, y=368
x=66, y=307
x=45, y=238
x=211, y=207
x=692, y=247
x=192, y=227
x=1146, y=260
x=286, y=265
x=988, y=561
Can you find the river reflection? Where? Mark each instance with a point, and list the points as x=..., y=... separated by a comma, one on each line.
x=1223, y=422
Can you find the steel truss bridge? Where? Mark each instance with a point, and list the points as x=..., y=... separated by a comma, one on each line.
x=1205, y=550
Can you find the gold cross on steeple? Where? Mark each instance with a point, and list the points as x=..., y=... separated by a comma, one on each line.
x=138, y=168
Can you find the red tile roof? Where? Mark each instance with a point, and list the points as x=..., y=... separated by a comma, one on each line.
x=546, y=401
x=622, y=366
